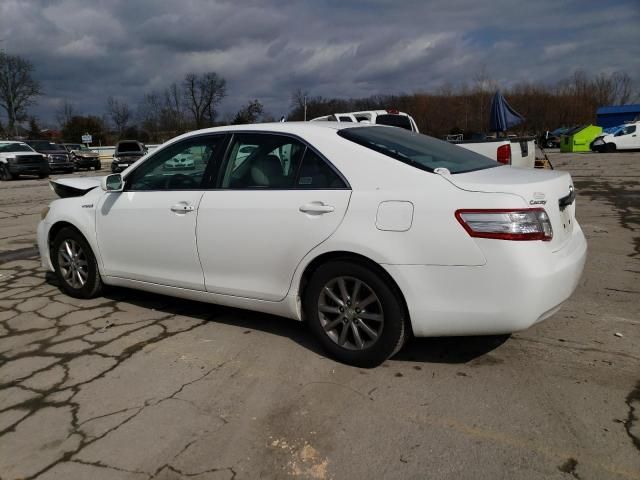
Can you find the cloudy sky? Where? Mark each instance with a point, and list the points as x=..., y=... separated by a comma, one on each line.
x=84, y=50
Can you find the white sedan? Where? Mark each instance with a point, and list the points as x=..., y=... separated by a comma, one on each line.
x=368, y=233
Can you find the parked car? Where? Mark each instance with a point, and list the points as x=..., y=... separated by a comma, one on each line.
x=552, y=139
x=390, y=117
x=18, y=158
x=57, y=156
x=365, y=232
x=127, y=153
x=83, y=157
x=624, y=138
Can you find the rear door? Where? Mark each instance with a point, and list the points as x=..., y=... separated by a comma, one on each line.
x=269, y=210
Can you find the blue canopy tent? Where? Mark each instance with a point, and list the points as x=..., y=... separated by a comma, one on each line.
x=503, y=117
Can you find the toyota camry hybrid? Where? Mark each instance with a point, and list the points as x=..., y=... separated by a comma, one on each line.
x=367, y=233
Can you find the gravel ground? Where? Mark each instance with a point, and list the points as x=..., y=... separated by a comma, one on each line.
x=139, y=386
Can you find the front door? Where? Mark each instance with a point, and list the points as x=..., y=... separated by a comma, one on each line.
x=148, y=231
x=627, y=138
x=272, y=206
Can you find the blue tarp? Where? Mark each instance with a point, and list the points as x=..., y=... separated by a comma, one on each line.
x=503, y=117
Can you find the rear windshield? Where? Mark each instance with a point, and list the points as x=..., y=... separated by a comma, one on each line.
x=420, y=151
x=401, y=121
x=129, y=147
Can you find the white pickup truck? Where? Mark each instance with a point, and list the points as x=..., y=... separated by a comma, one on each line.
x=516, y=151
x=519, y=152
x=627, y=137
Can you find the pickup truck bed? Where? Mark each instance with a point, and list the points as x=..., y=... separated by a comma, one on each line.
x=523, y=149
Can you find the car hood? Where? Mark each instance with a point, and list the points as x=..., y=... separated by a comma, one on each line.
x=53, y=152
x=74, y=187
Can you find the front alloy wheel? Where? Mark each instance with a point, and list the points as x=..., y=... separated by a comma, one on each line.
x=75, y=265
x=355, y=312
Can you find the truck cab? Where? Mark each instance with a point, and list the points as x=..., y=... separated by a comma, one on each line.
x=391, y=117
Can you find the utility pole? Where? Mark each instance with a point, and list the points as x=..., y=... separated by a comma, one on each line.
x=305, y=108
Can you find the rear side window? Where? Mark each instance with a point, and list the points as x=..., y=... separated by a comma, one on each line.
x=420, y=151
x=401, y=121
x=345, y=119
x=315, y=173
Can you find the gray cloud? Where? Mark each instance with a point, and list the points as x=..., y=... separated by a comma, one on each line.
x=85, y=51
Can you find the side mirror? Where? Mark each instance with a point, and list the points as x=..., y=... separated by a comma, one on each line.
x=112, y=183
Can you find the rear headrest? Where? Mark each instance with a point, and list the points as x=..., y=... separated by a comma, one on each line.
x=267, y=171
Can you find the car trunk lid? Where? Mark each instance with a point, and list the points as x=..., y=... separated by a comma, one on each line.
x=551, y=190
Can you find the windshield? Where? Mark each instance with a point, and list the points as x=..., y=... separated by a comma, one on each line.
x=129, y=147
x=43, y=145
x=76, y=146
x=420, y=151
x=15, y=147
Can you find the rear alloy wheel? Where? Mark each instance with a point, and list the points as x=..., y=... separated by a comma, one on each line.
x=354, y=313
x=75, y=265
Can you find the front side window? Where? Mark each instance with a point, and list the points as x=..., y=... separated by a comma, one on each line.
x=626, y=131
x=415, y=149
x=262, y=161
x=180, y=166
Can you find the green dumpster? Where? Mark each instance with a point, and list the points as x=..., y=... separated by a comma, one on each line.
x=579, y=138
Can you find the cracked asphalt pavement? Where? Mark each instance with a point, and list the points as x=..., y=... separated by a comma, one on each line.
x=139, y=386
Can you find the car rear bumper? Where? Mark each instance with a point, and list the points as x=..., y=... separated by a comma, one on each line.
x=516, y=288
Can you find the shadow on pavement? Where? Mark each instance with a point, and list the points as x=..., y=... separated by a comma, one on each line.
x=452, y=350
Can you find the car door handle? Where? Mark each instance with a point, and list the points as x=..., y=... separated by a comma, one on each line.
x=316, y=207
x=182, y=208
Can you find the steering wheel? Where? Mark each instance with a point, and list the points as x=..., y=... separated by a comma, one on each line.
x=180, y=181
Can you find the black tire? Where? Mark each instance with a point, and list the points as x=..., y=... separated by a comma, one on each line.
x=93, y=284
x=610, y=148
x=392, y=329
x=98, y=166
x=43, y=175
x=549, y=144
x=5, y=174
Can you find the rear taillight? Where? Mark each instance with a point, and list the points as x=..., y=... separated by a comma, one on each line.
x=393, y=111
x=504, y=154
x=526, y=224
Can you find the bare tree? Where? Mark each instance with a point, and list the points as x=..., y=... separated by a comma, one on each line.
x=65, y=113
x=119, y=113
x=18, y=89
x=621, y=85
x=202, y=93
x=250, y=113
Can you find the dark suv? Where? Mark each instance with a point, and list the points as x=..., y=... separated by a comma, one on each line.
x=127, y=153
x=57, y=156
x=83, y=157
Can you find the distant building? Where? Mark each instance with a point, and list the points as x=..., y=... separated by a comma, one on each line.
x=614, y=115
